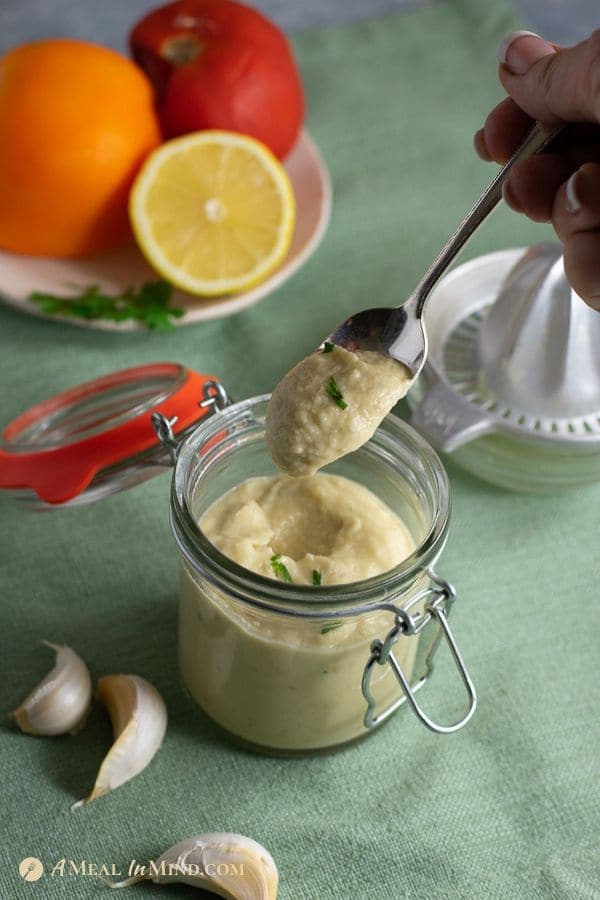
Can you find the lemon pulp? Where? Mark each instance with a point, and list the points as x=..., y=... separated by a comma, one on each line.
x=213, y=212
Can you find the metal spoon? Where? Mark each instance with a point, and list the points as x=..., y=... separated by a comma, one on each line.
x=399, y=331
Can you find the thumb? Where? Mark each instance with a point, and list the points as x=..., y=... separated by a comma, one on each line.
x=552, y=84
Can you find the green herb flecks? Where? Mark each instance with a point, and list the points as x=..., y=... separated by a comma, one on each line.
x=327, y=347
x=335, y=393
x=316, y=577
x=147, y=304
x=280, y=569
x=331, y=626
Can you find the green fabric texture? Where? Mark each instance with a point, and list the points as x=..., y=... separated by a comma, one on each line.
x=507, y=808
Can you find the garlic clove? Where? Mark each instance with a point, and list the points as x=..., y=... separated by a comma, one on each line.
x=139, y=719
x=230, y=865
x=59, y=704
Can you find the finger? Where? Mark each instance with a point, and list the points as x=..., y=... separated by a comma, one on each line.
x=581, y=253
x=576, y=219
x=480, y=146
x=577, y=202
x=507, y=125
x=504, y=129
x=533, y=183
x=552, y=85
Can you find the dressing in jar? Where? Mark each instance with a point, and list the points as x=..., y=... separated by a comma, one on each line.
x=295, y=667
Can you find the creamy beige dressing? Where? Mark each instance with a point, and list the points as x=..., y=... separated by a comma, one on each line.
x=324, y=523
x=285, y=682
x=281, y=681
x=329, y=405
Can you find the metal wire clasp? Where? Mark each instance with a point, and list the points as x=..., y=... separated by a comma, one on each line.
x=214, y=398
x=442, y=596
x=163, y=428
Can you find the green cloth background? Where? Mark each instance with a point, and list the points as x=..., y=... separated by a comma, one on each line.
x=509, y=807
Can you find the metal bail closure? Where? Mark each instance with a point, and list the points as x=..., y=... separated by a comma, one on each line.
x=381, y=653
x=214, y=398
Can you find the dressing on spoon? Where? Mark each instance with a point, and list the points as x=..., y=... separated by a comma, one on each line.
x=329, y=405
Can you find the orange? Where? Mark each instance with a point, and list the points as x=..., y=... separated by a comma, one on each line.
x=76, y=122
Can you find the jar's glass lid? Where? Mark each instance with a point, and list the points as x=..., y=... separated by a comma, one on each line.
x=98, y=437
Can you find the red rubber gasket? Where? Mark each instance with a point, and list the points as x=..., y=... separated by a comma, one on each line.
x=58, y=474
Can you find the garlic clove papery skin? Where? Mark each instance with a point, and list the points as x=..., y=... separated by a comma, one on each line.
x=139, y=719
x=59, y=704
x=230, y=865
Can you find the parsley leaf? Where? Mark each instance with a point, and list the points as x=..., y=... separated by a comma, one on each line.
x=316, y=577
x=327, y=347
x=335, y=393
x=148, y=304
x=330, y=627
x=280, y=569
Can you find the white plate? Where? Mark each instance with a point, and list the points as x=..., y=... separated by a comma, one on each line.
x=126, y=267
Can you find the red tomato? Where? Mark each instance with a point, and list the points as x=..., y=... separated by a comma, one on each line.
x=220, y=64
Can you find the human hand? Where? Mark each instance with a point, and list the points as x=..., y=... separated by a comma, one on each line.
x=553, y=85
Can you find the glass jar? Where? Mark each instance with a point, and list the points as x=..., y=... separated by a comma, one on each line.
x=281, y=667
x=295, y=668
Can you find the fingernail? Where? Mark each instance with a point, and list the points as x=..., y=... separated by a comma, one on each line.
x=573, y=201
x=521, y=49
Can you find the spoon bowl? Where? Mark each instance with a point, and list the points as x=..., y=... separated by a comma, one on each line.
x=392, y=331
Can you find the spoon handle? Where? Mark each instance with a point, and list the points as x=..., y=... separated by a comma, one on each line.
x=535, y=141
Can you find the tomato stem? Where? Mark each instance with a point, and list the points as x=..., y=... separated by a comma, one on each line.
x=184, y=48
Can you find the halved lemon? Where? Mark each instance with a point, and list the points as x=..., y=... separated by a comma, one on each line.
x=213, y=212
